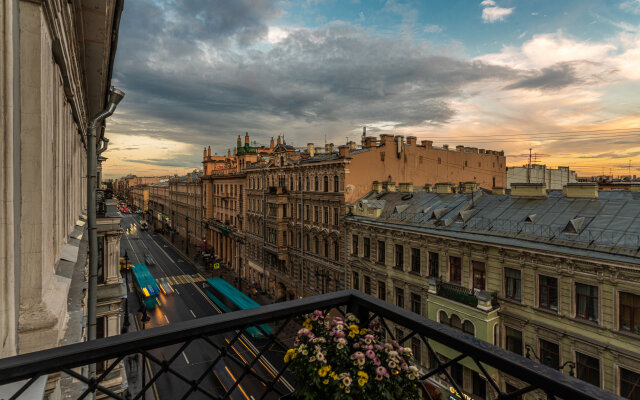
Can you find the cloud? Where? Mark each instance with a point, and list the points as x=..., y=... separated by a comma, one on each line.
x=492, y=13
x=632, y=6
x=432, y=29
x=495, y=14
x=551, y=78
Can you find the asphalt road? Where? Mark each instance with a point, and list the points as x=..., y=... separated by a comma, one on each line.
x=190, y=301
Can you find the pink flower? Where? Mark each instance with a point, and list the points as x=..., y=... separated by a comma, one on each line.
x=376, y=361
x=370, y=354
x=382, y=371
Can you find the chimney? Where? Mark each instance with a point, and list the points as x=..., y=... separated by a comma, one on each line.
x=352, y=145
x=386, y=139
x=228, y=153
x=246, y=138
x=279, y=140
x=428, y=144
x=498, y=190
x=389, y=186
x=343, y=151
x=209, y=151
x=310, y=149
x=412, y=140
x=469, y=187
x=528, y=190
x=482, y=151
x=234, y=152
x=445, y=146
x=370, y=142
x=586, y=190
x=376, y=187
x=204, y=153
x=239, y=141
x=330, y=147
x=327, y=148
x=474, y=150
x=460, y=148
x=271, y=144
x=444, y=187
x=427, y=187
x=406, y=187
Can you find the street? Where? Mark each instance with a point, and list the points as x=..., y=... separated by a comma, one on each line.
x=190, y=301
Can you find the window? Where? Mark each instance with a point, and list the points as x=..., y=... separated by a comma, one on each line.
x=455, y=269
x=326, y=248
x=308, y=186
x=587, y=302
x=100, y=260
x=326, y=183
x=382, y=291
x=354, y=245
x=315, y=184
x=443, y=318
x=415, y=260
x=336, y=250
x=439, y=160
x=630, y=313
x=549, y=354
x=479, y=275
x=588, y=369
x=434, y=262
x=479, y=385
x=367, y=247
x=457, y=373
x=336, y=183
x=367, y=285
x=399, y=334
x=316, y=214
x=399, y=257
x=381, y=251
x=512, y=283
x=455, y=322
x=548, y=296
x=416, y=303
x=416, y=348
x=629, y=384
x=316, y=246
x=306, y=210
x=356, y=281
x=400, y=297
x=307, y=243
x=326, y=215
x=336, y=216
x=467, y=327
x=514, y=340
x=291, y=183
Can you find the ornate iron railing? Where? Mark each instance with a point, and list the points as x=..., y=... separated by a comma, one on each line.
x=222, y=334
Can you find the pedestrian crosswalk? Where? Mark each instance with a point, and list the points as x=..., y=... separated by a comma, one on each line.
x=181, y=279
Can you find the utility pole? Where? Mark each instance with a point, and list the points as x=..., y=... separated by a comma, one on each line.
x=529, y=168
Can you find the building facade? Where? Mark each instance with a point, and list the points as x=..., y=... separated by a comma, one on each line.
x=554, y=179
x=159, y=205
x=550, y=276
x=185, y=205
x=140, y=198
x=296, y=202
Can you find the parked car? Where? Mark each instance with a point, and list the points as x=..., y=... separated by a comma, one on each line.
x=149, y=260
x=144, y=226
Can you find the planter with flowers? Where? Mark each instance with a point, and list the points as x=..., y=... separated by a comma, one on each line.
x=338, y=359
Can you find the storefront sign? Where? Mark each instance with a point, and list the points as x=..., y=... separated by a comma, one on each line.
x=456, y=396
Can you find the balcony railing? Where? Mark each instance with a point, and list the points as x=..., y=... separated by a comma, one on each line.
x=261, y=372
x=474, y=298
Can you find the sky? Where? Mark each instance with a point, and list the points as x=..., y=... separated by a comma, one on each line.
x=561, y=78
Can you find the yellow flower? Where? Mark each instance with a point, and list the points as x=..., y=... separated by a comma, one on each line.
x=363, y=331
x=352, y=334
x=363, y=374
x=354, y=329
x=326, y=381
x=334, y=375
x=362, y=381
x=322, y=372
x=291, y=354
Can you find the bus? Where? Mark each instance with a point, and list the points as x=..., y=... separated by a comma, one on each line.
x=146, y=286
x=228, y=299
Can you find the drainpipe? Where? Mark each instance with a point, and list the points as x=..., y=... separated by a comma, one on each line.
x=102, y=149
x=115, y=97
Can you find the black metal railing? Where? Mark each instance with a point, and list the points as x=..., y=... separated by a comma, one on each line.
x=261, y=373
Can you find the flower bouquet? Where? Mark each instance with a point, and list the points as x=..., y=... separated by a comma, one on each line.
x=337, y=359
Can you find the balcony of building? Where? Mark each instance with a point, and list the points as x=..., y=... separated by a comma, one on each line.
x=240, y=355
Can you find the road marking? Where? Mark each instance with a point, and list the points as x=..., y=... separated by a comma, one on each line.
x=185, y=357
x=165, y=318
x=194, y=316
x=176, y=290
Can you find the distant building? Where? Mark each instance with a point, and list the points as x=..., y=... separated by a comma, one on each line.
x=554, y=179
x=548, y=275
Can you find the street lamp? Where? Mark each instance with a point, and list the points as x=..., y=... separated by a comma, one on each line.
x=546, y=360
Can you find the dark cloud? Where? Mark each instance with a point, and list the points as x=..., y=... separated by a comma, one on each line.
x=176, y=160
x=613, y=155
x=555, y=77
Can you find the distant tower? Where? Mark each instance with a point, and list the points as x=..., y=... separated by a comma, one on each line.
x=364, y=135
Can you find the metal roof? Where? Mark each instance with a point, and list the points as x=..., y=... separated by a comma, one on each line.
x=606, y=226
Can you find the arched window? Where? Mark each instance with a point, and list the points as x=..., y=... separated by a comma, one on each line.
x=281, y=161
x=316, y=246
x=306, y=242
x=315, y=185
x=308, y=187
x=326, y=183
x=443, y=318
x=336, y=183
x=291, y=183
x=300, y=182
x=456, y=322
x=468, y=327
x=336, y=250
x=326, y=248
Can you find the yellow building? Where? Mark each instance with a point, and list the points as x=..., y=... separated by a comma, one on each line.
x=549, y=275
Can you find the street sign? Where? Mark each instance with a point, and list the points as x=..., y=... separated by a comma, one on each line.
x=216, y=266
